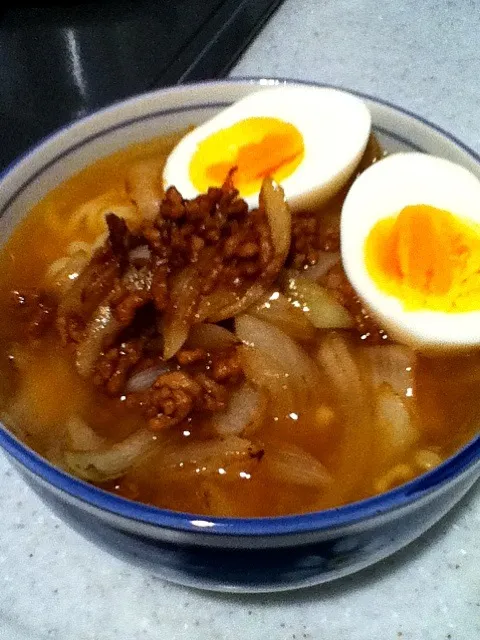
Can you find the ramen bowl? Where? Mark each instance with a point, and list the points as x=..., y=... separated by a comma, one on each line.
x=227, y=554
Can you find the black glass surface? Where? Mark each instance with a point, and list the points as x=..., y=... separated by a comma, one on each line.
x=58, y=63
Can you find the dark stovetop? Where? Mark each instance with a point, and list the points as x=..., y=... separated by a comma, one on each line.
x=59, y=63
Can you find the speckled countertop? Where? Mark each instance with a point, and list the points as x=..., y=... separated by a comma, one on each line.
x=425, y=56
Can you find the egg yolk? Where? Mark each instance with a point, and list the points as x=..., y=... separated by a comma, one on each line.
x=257, y=147
x=428, y=258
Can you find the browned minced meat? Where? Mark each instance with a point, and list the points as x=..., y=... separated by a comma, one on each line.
x=36, y=310
x=184, y=230
x=337, y=282
x=225, y=366
x=173, y=396
x=312, y=233
x=113, y=367
x=202, y=384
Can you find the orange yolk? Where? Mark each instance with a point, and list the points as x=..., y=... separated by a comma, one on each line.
x=257, y=147
x=428, y=258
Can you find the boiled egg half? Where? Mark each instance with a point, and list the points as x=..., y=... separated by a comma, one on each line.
x=410, y=242
x=308, y=139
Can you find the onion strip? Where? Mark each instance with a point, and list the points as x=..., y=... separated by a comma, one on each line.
x=99, y=334
x=293, y=465
x=143, y=380
x=321, y=308
x=303, y=374
x=244, y=413
x=184, y=295
x=279, y=311
x=210, y=336
x=113, y=462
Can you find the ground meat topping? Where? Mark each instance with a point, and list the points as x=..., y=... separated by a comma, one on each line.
x=226, y=366
x=113, y=367
x=313, y=232
x=169, y=401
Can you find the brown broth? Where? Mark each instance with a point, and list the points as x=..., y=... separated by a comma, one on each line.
x=37, y=402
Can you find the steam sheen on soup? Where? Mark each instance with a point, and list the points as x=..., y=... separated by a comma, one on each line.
x=196, y=356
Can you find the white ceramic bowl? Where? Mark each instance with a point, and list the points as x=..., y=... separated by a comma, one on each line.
x=261, y=554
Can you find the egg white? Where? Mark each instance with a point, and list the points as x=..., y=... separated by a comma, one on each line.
x=335, y=127
x=383, y=190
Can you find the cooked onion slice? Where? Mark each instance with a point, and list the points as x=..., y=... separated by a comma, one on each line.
x=279, y=311
x=291, y=464
x=265, y=373
x=394, y=365
x=336, y=358
x=321, y=308
x=99, y=334
x=80, y=436
x=304, y=376
x=143, y=380
x=144, y=186
x=210, y=336
x=395, y=431
x=244, y=413
x=341, y=364
x=272, y=197
x=113, y=462
x=184, y=295
x=209, y=455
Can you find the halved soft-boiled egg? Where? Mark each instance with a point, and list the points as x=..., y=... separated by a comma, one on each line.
x=410, y=242
x=308, y=139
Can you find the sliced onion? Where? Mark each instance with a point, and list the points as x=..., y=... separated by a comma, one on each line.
x=393, y=365
x=244, y=413
x=223, y=304
x=321, y=308
x=111, y=463
x=395, y=432
x=100, y=333
x=302, y=371
x=279, y=311
x=325, y=262
x=272, y=197
x=291, y=464
x=210, y=336
x=81, y=437
x=341, y=364
x=184, y=296
x=264, y=372
x=212, y=453
x=144, y=186
x=336, y=358
x=143, y=380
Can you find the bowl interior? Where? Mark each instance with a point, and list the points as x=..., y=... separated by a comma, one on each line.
x=159, y=113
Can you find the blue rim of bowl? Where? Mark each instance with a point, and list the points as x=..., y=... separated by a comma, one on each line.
x=345, y=515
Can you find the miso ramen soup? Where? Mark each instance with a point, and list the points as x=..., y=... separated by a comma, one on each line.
x=203, y=357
